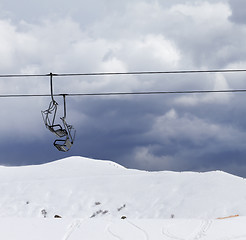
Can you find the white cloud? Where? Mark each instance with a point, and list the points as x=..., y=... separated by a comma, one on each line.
x=145, y=159
x=201, y=13
x=197, y=130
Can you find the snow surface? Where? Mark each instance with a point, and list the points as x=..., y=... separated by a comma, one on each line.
x=105, y=229
x=93, y=195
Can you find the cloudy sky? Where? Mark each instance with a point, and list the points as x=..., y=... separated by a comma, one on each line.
x=198, y=132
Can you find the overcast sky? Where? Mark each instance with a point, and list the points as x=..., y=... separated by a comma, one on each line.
x=166, y=132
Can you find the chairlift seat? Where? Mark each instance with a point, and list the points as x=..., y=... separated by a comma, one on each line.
x=63, y=145
x=57, y=130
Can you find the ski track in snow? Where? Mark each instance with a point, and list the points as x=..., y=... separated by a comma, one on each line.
x=242, y=237
x=205, y=225
x=72, y=227
x=168, y=231
x=198, y=233
x=142, y=231
x=113, y=234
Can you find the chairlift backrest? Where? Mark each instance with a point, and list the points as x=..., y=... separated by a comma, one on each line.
x=49, y=116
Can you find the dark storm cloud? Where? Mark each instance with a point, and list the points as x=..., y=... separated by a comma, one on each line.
x=189, y=141
x=167, y=132
x=114, y=126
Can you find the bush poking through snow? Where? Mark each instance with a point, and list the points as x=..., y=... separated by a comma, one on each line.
x=120, y=208
x=99, y=212
x=104, y=212
x=44, y=213
x=96, y=213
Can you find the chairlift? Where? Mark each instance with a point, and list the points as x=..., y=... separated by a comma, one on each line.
x=65, y=143
x=49, y=117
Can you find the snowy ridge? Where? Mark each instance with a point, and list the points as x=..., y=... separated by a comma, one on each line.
x=70, y=167
x=84, y=188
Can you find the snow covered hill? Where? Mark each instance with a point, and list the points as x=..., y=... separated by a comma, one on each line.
x=78, y=187
x=92, y=196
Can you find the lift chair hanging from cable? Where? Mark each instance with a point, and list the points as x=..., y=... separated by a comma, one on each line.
x=49, y=116
x=66, y=142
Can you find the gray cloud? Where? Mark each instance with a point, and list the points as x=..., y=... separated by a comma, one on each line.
x=238, y=11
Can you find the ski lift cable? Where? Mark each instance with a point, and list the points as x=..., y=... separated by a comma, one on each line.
x=123, y=73
x=124, y=93
x=151, y=72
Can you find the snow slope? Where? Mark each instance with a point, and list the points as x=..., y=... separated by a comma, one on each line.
x=93, y=195
x=82, y=188
x=115, y=229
